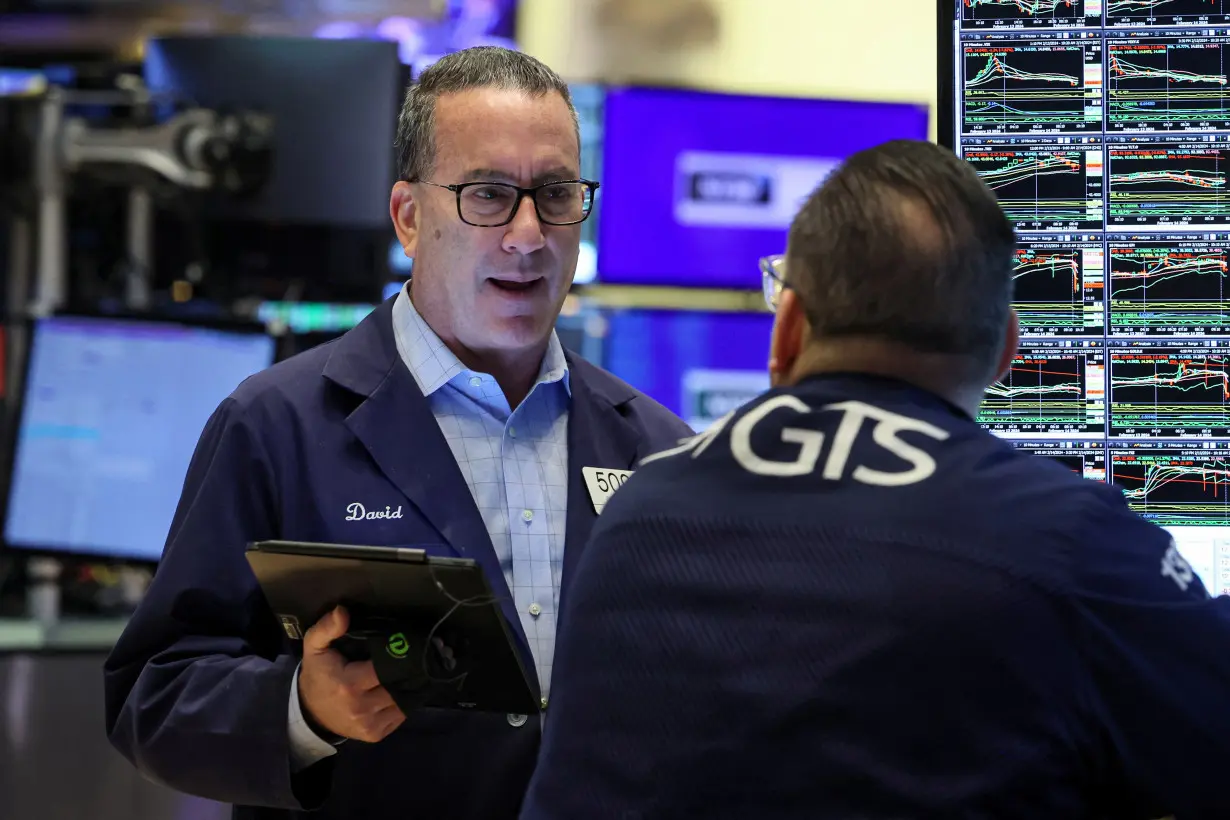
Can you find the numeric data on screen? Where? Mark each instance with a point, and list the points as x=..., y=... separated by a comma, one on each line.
x=1174, y=484
x=1086, y=459
x=1103, y=128
x=1032, y=83
x=1169, y=83
x=1043, y=184
x=1168, y=285
x=1167, y=389
x=1028, y=14
x=1052, y=387
x=1058, y=284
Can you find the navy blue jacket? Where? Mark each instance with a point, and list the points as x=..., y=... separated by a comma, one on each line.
x=851, y=602
x=197, y=688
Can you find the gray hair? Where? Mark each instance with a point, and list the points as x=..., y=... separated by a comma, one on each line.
x=479, y=67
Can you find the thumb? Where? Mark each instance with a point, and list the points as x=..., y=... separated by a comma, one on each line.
x=327, y=630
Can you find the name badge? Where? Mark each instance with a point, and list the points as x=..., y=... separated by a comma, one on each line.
x=602, y=484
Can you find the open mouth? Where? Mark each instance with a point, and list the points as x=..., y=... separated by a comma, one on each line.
x=517, y=286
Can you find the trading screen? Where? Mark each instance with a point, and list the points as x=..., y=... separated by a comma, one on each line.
x=701, y=365
x=1103, y=126
x=110, y=416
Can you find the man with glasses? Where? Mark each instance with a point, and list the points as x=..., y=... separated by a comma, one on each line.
x=847, y=600
x=449, y=420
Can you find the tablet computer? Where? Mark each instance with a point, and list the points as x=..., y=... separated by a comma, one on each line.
x=419, y=601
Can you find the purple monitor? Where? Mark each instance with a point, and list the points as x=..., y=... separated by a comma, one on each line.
x=697, y=186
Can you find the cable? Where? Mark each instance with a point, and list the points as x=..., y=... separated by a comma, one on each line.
x=458, y=603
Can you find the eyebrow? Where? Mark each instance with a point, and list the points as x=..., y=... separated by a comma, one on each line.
x=554, y=174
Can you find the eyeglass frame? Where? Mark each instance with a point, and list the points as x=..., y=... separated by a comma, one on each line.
x=522, y=193
x=773, y=283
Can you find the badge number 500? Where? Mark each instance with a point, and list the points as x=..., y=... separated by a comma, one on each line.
x=602, y=484
x=609, y=480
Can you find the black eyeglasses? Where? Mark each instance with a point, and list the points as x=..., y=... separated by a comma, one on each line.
x=493, y=204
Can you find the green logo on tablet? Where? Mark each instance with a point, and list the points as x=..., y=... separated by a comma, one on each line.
x=398, y=645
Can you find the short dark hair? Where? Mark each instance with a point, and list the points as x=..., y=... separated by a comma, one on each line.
x=905, y=243
x=479, y=67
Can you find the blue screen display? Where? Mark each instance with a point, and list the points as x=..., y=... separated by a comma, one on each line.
x=111, y=414
x=698, y=186
x=700, y=365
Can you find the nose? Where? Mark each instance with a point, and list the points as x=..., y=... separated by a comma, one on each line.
x=524, y=234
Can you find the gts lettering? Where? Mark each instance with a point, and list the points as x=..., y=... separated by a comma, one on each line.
x=809, y=445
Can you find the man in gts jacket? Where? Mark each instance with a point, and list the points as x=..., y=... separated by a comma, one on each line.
x=848, y=600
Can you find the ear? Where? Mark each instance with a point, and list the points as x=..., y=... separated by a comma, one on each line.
x=1012, y=341
x=790, y=335
x=403, y=209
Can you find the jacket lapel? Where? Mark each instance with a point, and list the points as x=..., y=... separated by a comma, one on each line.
x=397, y=428
x=598, y=436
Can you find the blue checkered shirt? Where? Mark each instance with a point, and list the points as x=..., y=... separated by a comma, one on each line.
x=515, y=463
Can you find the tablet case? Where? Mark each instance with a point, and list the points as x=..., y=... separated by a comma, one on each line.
x=431, y=626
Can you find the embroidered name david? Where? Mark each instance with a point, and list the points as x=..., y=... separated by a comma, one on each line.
x=357, y=512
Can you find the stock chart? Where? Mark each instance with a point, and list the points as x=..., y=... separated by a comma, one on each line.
x=1025, y=85
x=1169, y=285
x=1174, y=484
x=1169, y=183
x=1166, y=12
x=1050, y=387
x=1043, y=185
x=1168, y=84
x=1103, y=127
x=1058, y=287
x=1026, y=13
x=1162, y=389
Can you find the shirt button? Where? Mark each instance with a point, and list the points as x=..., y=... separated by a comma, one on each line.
x=516, y=721
x=476, y=381
x=535, y=610
x=512, y=432
x=527, y=515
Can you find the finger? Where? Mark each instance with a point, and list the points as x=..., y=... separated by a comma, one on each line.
x=360, y=677
x=325, y=631
x=392, y=718
x=376, y=701
x=376, y=726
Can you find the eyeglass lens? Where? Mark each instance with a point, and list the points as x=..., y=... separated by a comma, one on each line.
x=561, y=203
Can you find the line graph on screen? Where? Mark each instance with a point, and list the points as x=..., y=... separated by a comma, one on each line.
x=1043, y=188
x=1046, y=390
x=1023, y=10
x=1027, y=85
x=1170, y=392
x=1170, y=184
x=1168, y=83
x=1162, y=12
x=1056, y=291
x=1169, y=288
x=1175, y=485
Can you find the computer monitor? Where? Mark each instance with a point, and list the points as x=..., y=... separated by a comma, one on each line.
x=1104, y=128
x=589, y=100
x=334, y=104
x=697, y=186
x=699, y=364
x=110, y=414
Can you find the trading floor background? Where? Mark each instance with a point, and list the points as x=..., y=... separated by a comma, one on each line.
x=191, y=191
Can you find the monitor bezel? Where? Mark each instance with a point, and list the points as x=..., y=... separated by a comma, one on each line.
x=946, y=75
x=28, y=326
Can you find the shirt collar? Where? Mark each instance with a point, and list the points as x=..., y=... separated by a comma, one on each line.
x=433, y=365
